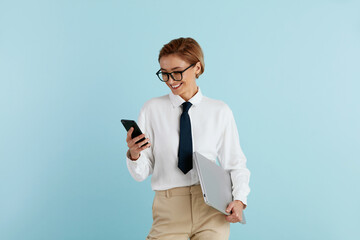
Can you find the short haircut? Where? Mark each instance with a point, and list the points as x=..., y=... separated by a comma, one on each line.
x=185, y=48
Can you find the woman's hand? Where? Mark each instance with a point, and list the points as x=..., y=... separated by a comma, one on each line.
x=235, y=208
x=135, y=148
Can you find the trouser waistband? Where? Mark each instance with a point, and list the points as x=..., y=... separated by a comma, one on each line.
x=180, y=191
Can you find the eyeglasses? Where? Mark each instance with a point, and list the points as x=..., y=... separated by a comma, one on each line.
x=176, y=75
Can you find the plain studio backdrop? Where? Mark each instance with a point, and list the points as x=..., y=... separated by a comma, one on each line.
x=70, y=70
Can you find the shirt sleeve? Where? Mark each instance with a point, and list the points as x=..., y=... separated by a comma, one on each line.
x=232, y=158
x=144, y=165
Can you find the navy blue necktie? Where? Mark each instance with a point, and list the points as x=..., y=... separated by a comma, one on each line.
x=185, y=145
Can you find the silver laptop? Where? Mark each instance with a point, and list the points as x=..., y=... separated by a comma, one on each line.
x=215, y=183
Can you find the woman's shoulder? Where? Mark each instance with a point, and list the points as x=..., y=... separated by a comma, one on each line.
x=156, y=102
x=216, y=104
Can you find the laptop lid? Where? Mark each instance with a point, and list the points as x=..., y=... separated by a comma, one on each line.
x=215, y=183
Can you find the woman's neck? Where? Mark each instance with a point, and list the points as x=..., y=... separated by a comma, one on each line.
x=188, y=95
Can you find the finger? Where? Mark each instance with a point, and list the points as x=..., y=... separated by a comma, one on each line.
x=138, y=147
x=135, y=139
x=128, y=136
x=230, y=207
x=140, y=144
x=234, y=217
x=136, y=151
x=230, y=219
x=238, y=210
x=145, y=147
x=145, y=141
x=237, y=216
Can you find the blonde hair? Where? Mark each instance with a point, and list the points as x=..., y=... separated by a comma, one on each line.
x=185, y=48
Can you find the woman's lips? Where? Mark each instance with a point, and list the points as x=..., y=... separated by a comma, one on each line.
x=176, y=86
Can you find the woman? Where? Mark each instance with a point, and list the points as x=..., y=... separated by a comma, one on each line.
x=175, y=126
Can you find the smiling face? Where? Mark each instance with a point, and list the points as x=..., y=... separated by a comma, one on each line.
x=186, y=88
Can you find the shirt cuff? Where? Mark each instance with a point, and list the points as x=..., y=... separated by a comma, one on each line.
x=132, y=163
x=241, y=198
x=128, y=156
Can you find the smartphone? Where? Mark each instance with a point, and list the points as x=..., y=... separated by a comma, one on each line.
x=131, y=123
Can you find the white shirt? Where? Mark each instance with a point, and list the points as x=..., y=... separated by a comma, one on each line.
x=214, y=135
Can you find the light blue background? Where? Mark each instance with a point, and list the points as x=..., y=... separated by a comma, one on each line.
x=70, y=70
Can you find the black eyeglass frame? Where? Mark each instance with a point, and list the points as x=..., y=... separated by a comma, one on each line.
x=158, y=73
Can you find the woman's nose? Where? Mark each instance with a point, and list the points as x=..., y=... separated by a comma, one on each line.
x=171, y=81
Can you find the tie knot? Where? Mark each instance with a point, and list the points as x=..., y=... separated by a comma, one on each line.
x=186, y=106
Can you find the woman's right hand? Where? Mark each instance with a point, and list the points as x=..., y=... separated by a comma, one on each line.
x=135, y=148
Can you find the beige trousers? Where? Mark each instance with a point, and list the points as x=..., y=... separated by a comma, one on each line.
x=181, y=213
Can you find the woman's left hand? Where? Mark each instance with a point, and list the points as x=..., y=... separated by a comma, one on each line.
x=235, y=208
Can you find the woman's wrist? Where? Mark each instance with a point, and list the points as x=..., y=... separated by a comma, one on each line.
x=132, y=158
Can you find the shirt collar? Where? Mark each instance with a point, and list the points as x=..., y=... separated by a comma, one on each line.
x=176, y=100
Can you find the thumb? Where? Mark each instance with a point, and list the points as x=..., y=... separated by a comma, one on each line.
x=230, y=206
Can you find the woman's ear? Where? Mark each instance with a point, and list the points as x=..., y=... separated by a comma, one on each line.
x=197, y=68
